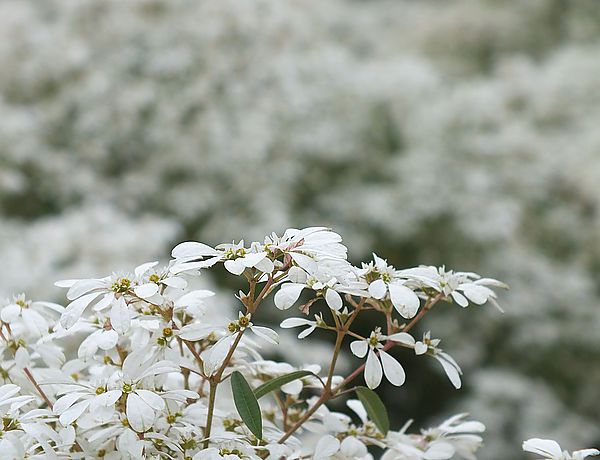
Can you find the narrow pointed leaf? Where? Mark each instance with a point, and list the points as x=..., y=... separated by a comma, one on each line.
x=375, y=408
x=278, y=382
x=246, y=404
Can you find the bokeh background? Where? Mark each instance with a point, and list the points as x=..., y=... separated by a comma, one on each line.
x=464, y=133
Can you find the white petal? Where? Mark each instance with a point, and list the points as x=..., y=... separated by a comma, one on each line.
x=193, y=298
x=196, y=331
x=73, y=412
x=545, y=447
x=82, y=287
x=120, y=319
x=306, y=332
x=146, y=291
x=50, y=305
x=175, y=282
x=65, y=283
x=10, y=313
x=35, y=322
x=267, y=334
x=66, y=401
x=214, y=356
x=404, y=300
x=161, y=367
x=358, y=409
x=75, y=309
x=288, y=295
x=139, y=414
x=582, y=454
x=294, y=322
x=353, y=448
x=476, y=294
x=297, y=275
x=304, y=261
x=439, y=450
x=266, y=265
x=359, y=348
x=293, y=388
x=187, y=266
x=421, y=348
x=333, y=299
x=373, y=372
x=326, y=447
x=459, y=298
x=192, y=250
x=108, y=398
x=141, y=269
x=402, y=337
x=451, y=368
x=235, y=266
x=392, y=369
x=89, y=346
x=251, y=259
x=104, y=302
x=152, y=399
x=378, y=289
x=107, y=339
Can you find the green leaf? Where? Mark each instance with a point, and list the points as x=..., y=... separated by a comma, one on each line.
x=278, y=382
x=246, y=404
x=375, y=408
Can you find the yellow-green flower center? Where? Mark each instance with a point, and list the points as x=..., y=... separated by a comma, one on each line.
x=121, y=285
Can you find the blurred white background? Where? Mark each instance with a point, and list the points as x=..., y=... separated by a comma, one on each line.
x=462, y=133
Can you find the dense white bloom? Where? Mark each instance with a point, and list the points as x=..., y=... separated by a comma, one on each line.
x=153, y=357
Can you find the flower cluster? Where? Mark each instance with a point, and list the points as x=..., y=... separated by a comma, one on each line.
x=134, y=367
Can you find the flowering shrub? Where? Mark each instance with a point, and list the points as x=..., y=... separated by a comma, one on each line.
x=155, y=376
x=463, y=117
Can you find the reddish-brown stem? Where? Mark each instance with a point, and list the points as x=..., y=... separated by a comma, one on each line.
x=37, y=387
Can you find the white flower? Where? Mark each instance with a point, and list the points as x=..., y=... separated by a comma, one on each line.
x=35, y=317
x=383, y=279
x=551, y=450
x=297, y=322
x=214, y=356
x=456, y=435
x=309, y=245
x=97, y=400
x=461, y=286
x=324, y=284
x=100, y=292
x=149, y=282
x=430, y=347
x=376, y=359
x=191, y=255
x=101, y=338
x=243, y=322
x=142, y=403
